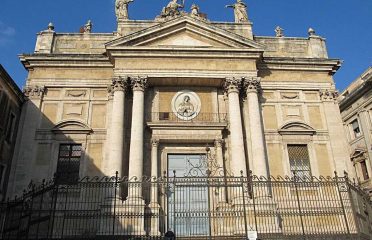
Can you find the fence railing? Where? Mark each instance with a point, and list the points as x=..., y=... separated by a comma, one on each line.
x=197, y=118
x=191, y=208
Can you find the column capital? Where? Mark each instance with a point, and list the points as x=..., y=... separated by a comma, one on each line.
x=34, y=91
x=328, y=95
x=252, y=84
x=232, y=84
x=155, y=142
x=118, y=84
x=218, y=143
x=138, y=83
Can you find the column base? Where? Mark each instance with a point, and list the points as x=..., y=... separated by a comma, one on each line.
x=268, y=218
x=154, y=213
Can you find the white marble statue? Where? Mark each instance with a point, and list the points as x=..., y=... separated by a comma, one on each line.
x=121, y=9
x=240, y=11
x=172, y=9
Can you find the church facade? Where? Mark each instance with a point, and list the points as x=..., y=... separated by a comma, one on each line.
x=148, y=99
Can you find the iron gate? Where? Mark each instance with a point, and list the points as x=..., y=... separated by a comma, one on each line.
x=211, y=208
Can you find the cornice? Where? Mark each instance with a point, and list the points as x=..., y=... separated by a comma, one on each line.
x=300, y=64
x=11, y=84
x=175, y=52
x=180, y=23
x=30, y=61
x=355, y=95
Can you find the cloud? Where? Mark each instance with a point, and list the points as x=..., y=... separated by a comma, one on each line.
x=6, y=33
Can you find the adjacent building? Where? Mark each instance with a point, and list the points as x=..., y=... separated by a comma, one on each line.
x=11, y=100
x=356, y=111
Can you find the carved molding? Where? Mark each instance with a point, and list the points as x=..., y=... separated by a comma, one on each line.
x=34, y=91
x=138, y=83
x=252, y=84
x=73, y=93
x=328, y=95
x=232, y=84
x=118, y=84
x=71, y=127
x=155, y=142
x=296, y=128
x=218, y=143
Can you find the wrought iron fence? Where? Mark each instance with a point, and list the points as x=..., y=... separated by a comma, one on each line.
x=191, y=207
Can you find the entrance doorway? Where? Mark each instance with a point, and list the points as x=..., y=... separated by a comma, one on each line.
x=188, y=198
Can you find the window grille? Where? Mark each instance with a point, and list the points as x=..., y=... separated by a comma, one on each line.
x=299, y=161
x=68, y=163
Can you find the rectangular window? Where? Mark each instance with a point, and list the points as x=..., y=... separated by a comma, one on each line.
x=68, y=163
x=363, y=166
x=355, y=127
x=10, y=129
x=2, y=173
x=3, y=109
x=299, y=161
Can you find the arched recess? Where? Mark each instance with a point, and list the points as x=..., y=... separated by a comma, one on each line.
x=296, y=128
x=72, y=127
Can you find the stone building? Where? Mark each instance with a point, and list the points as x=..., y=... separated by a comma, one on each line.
x=11, y=100
x=149, y=97
x=356, y=111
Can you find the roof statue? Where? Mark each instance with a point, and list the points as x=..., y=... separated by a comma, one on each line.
x=311, y=32
x=279, y=32
x=240, y=11
x=195, y=12
x=121, y=9
x=172, y=10
x=88, y=27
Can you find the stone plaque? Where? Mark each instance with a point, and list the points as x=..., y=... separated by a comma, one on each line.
x=186, y=105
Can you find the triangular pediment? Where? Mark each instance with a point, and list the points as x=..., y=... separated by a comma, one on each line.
x=185, y=32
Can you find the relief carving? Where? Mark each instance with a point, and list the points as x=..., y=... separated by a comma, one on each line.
x=33, y=91
x=74, y=93
x=290, y=95
x=328, y=95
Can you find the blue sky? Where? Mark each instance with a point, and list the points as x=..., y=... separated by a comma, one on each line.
x=346, y=24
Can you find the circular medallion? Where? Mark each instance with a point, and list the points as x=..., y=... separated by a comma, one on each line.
x=186, y=105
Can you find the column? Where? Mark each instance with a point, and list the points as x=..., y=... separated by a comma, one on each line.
x=154, y=170
x=260, y=166
x=115, y=162
x=154, y=205
x=136, y=141
x=232, y=87
x=218, y=144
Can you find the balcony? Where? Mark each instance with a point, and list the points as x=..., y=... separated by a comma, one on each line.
x=171, y=117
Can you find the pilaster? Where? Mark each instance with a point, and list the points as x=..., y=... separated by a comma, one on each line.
x=26, y=147
x=337, y=137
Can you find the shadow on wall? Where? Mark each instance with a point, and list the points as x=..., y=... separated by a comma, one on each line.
x=76, y=199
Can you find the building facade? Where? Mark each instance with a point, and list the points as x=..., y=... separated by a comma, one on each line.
x=147, y=100
x=11, y=100
x=356, y=111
